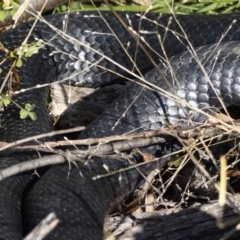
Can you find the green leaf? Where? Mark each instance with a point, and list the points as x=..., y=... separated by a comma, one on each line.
x=15, y=4
x=3, y=15
x=12, y=12
x=32, y=48
x=33, y=116
x=64, y=8
x=38, y=43
x=12, y=55
x=19, y=62
x=28, y=53
x=21, y=51
x=29, y=107
x=6, y=101
x=175, y=162
x=23, y=113
x=5, y=5
x=31, y=51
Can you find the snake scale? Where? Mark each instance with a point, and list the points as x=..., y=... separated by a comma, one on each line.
x=78, y=48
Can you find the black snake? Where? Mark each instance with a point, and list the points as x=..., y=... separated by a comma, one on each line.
x=78, y=47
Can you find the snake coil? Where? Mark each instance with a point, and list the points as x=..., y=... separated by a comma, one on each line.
x=79, y=47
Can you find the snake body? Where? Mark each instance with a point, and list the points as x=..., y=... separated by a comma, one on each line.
x=77, y=47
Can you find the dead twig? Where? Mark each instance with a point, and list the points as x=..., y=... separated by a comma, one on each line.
x=30, y=165
x=43, y=228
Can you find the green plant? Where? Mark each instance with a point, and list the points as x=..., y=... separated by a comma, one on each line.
x=4, y=100
x=8, y=7
x=27, y=112
x=25, y=51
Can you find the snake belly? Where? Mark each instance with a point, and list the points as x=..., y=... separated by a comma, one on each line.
x=78, y=48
